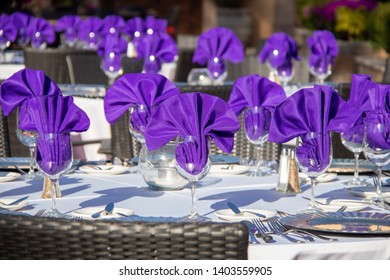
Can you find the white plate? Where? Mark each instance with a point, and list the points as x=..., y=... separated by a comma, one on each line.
x=104, y=169
x=229, y=215
x=8, y=176
x=367, y=191
x=325, y=177
x=15, y=207
x=86, y=213
x=336, y=204
x=234, y=169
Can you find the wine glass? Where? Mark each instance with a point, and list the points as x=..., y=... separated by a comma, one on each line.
x=111, y=65
x=54, y=158
x=314, y=155
x=256, y=125
x=187, y=144
x=353, y=141
x=138, y=119
x=28, y=138
x=376, y=149
x=285, y=74
x=320, y=72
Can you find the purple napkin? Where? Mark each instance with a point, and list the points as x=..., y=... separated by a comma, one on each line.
x=23, y=85
x=69, y=25
x=135, y=28
x=155, y=50
x=8, y=31
x=143, y=90
x=216, y=45
x=113, y=24
x=154, y=25
x=323, y=50
x=40, y=32
x=380, y=99
x=89, y=31
x=255, y=91
x=21, y=21
x=279, y=50
x=110, y=49
x=195, y=117
x=53, y=114
x=318, y=110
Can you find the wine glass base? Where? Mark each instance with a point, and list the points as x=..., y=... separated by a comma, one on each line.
x=354, y=183
x=54, y=213
x=194, y=218
x=33, y=176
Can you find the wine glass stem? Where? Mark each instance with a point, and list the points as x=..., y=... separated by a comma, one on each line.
x=54, y=187
x=379, y=184
x=32, y=161
x=257, y=170
x=193, y=197
x=356, y=173
x=313, y=183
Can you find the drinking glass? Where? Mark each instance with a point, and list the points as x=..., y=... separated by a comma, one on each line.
x=377, y=150
x=256, y=126
x=285, y=75
x=138, y=119
x=187, y=143
x=321, y=73
x=111, y=65
x=27, y=138
x=54, y=158
x=314, y=155
x=353, y=141
x=199, y=77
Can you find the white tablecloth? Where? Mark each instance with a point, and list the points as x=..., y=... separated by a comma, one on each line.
x=7, y=70
x=130, y=191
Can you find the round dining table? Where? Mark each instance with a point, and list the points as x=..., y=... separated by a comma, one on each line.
x=129, y=192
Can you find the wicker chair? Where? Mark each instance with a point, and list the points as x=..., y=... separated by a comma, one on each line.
x=5, y=149
x=85, y=69
x=184, y=65
x=52, y=61
x=28, y=237
x=386, y=74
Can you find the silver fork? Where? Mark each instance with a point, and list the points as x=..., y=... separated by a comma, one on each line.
x=276, y=230
x=262, y=230
x=300, y=231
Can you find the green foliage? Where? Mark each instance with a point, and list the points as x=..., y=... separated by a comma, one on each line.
x=353, y=23
x=379, y=26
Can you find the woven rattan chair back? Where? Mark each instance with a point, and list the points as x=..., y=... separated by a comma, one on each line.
x=250, y=65
x=26, y=237
x=52, y=61
x=85, y=69
x=184, y=65
x=5, y=149
x=386, y=74
x=132, y=65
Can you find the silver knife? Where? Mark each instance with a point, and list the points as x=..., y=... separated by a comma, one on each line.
x=18, y=200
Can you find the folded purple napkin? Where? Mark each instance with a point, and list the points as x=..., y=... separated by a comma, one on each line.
x=40, y=32
x=21, y=21
x=8, y=31
x=113, y=24
x=155, y=25
x=255, y=91
x=155, y=50
x=69, y=25
x=53, y=114
x=196, y=118
x=312, y=111
x=135, y=28
x=323, y=50
x=215, y=46
x=110, y=49
x=279, y=50
x=23, y=85
x=380, y=99
x=89, y=31
x=141, y=90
